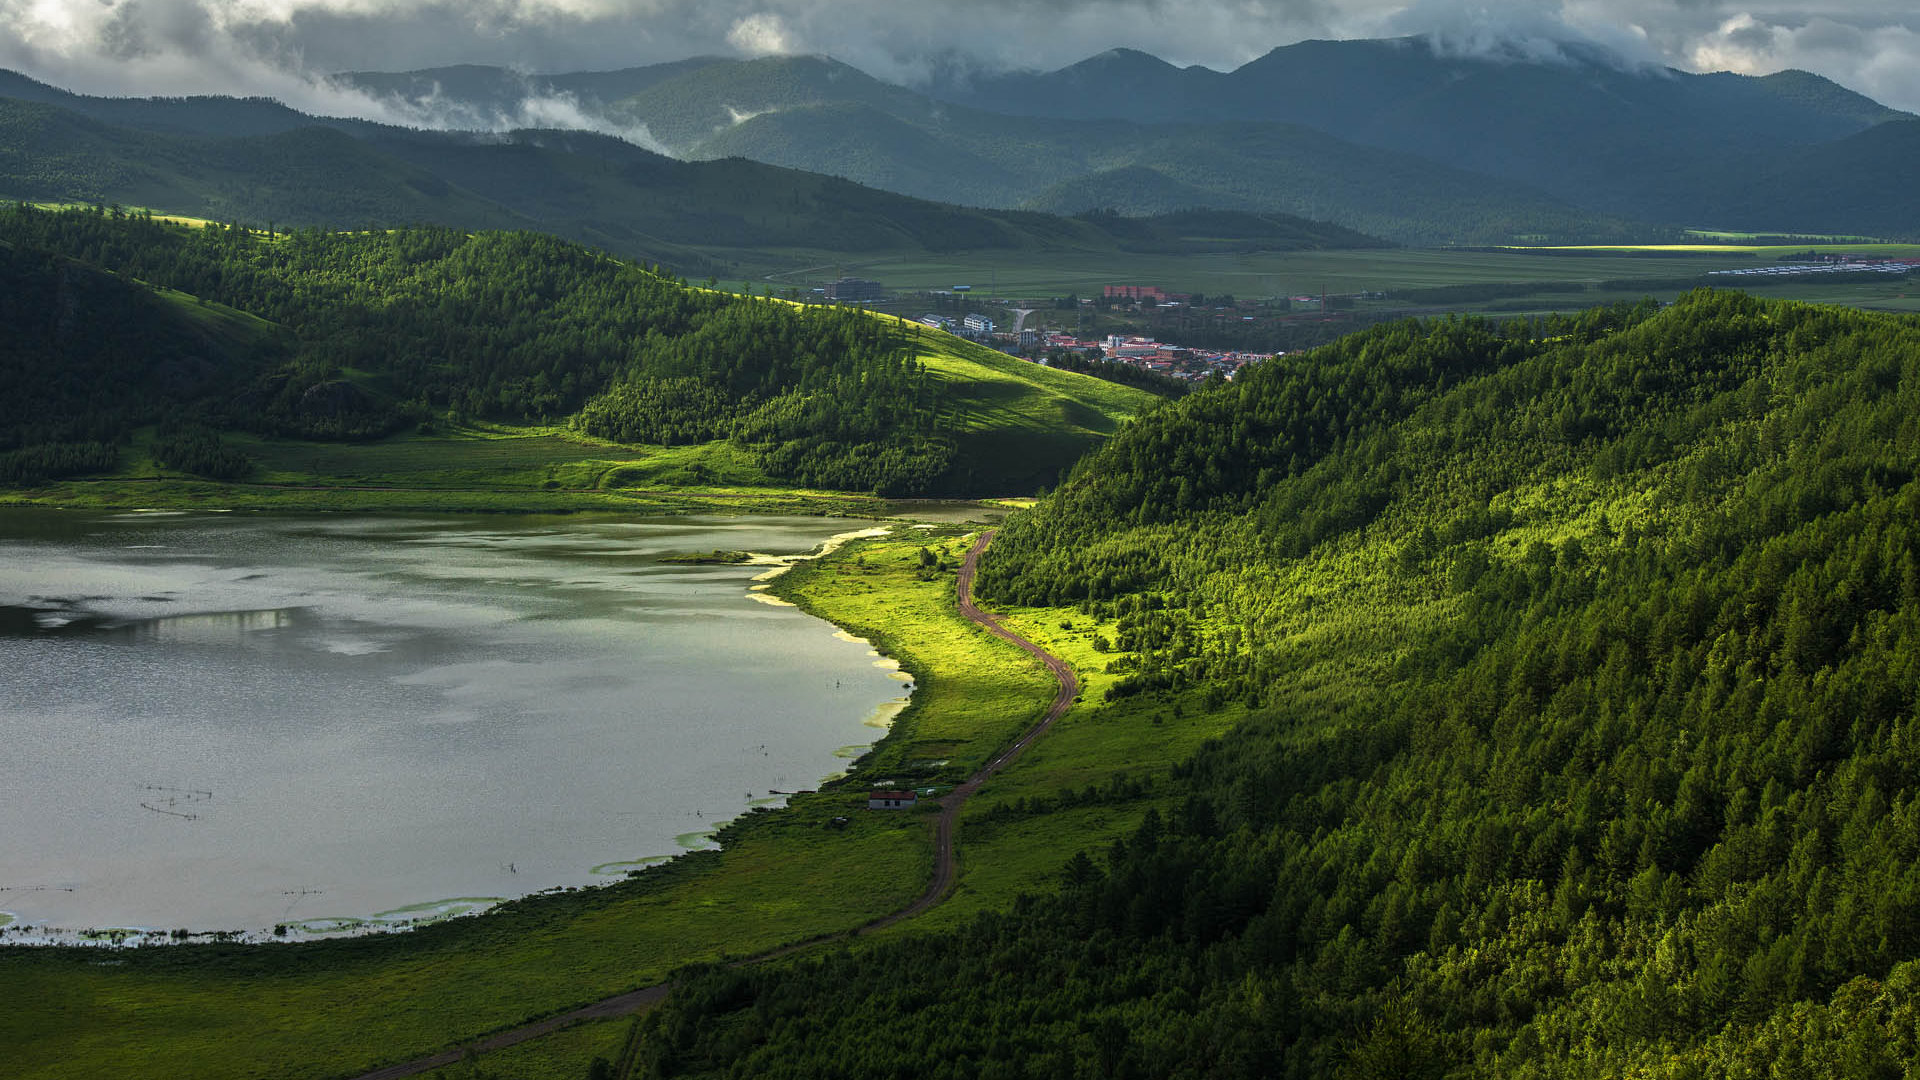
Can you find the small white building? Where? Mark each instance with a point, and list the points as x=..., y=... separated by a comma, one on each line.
x=978, y=324
x=891, y=800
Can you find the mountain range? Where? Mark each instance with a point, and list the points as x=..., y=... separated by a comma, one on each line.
x=1393, y=137
x=257, y=161
x=681, y=163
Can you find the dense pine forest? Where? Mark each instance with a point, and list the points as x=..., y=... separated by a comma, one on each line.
x=1582, y=658
x=356, y=335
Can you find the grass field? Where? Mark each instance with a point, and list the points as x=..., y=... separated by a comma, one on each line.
x=973, y=693
x=1307, y=273
x=1017, y=832
x=1061, y=796
x=564, y=1055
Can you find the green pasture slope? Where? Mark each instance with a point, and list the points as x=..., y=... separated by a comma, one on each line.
x=1009, y=413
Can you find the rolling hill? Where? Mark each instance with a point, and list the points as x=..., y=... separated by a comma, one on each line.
x=1565, y=682
x=359, y=336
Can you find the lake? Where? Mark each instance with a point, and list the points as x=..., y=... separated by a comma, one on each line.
x=237, y=721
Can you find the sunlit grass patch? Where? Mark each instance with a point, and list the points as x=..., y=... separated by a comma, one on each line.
x=973, y=693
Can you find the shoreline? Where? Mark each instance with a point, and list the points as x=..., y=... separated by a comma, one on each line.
x=165, y=494
x=16, y=933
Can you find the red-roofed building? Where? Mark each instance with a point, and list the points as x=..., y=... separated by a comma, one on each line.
x=891, y=800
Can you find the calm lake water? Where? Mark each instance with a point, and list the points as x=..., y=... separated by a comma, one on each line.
x=232, y=721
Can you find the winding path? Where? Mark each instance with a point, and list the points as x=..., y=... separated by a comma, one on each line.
x=945, y=863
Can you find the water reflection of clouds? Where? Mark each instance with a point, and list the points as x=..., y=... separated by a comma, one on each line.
x=209, y=628
x=518, y=687
x=402, y=722
x=340, y=646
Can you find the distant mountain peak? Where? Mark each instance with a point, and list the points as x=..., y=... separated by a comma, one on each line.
x=1122, y=62
x=1122, y=54
x=1497, y=48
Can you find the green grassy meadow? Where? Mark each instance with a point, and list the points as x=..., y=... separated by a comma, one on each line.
x=1307, y=273
x=1016, y=833
x=973, y=693
x=567, y=1054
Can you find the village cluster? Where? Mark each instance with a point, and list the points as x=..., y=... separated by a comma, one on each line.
x=1163, y=358
x=1175, y=361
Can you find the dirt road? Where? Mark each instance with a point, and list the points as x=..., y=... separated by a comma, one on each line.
x=945, y=863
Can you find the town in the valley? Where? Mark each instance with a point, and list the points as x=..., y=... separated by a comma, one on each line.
x=1043, y=330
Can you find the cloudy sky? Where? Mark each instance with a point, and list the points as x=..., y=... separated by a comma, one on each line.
x=279, y=47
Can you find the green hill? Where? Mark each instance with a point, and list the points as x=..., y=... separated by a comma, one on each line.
x=309, y=174
x=686, y=111
x=1577, y=662
x=219, y=116
x=1316, y=176
x=87, y=356
x=358, y=336
x=1856, y=182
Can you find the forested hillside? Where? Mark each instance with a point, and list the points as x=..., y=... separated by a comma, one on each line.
x=121, y=348
x=354, y=336
x=1581, y=658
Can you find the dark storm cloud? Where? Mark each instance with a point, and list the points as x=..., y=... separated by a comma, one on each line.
x=283, y=47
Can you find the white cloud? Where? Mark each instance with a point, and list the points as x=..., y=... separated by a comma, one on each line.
x=1881, y=60
x=1533, y=31
x=762, y=34
x=282, y=48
